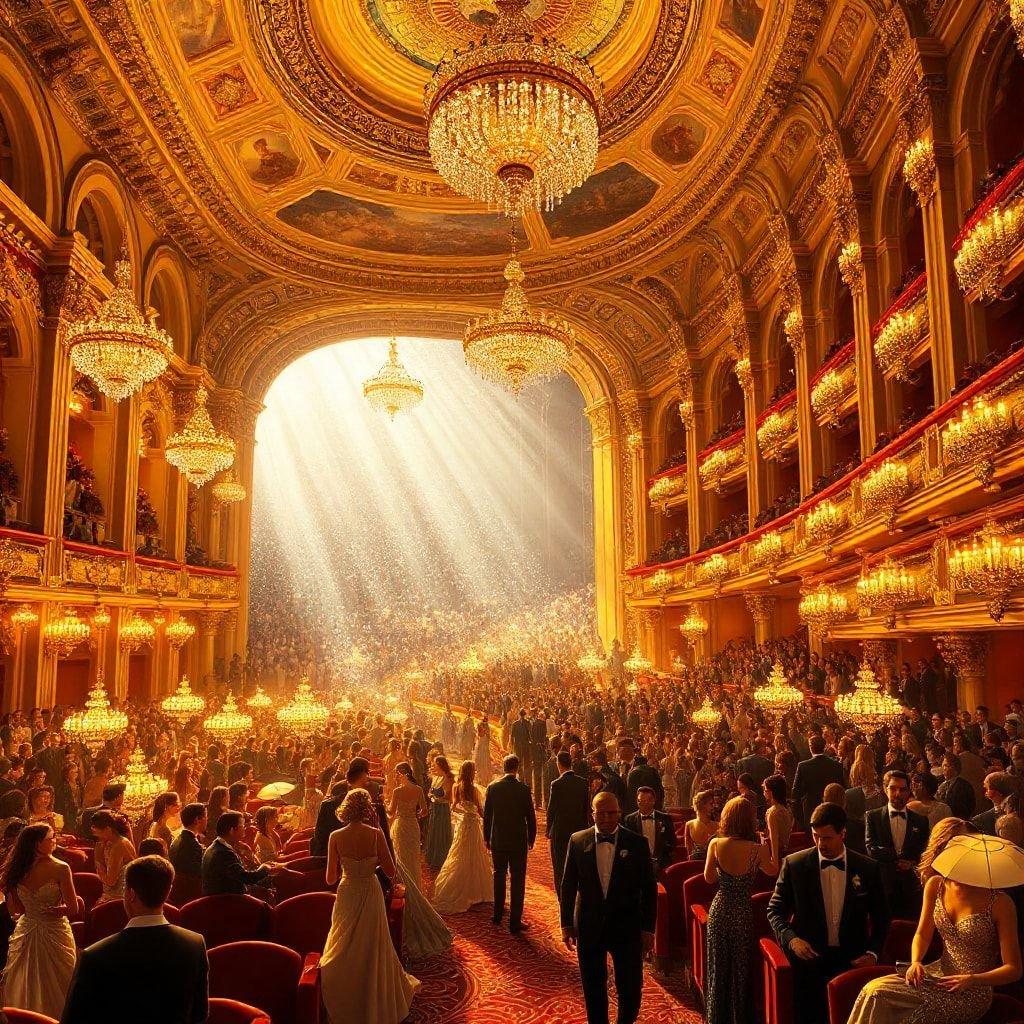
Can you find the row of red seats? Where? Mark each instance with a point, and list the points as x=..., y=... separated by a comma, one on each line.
x=222, y=1011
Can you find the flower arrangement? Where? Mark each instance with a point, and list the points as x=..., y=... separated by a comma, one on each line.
x=146, y=522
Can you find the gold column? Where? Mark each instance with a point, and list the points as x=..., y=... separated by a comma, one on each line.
x=209, y=623
x=762, y=610
x=698, y=500
x=969, y=653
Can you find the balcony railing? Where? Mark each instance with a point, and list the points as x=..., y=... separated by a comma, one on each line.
x=776, y=428
x=722, y=463
x=667, y=487
x=834, y=386
x=900, y=335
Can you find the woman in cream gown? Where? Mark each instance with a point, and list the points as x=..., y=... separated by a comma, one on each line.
x=425, y=933
x=40, y=890
x=361, y=976
x=466, y=877
x=482, y=753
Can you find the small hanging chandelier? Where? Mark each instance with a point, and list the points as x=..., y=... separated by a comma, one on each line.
x=117, y=348
x=135, y=634
x=259, y=701
x=183, y=705
x=990, y=564
x=887, y=588
x=694, y=627
x=868, y=708
x=141, y=787
x=823, y=608
x=637, y=663
x=393, y=389
x=23, y=617
x=229, y=723
x=707, y=716
x=62, y=635
x=199, y=451
x=101, y=618
x=99, y=722
x=778, y=697
x=179, y=632
x=228, y=490
x=471, y=664
x=304, y=715
x=514, y=120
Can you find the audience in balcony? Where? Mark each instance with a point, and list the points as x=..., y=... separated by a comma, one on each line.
x=836, y=346
x=784, y=387
x=837, y=472
x=678, y=459
x=785, y=502
x=730, y=426
x=972, y=371
x=671, y=549
x=730, y=528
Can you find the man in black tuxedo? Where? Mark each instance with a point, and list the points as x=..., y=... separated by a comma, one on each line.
x=655, y=826
x=538, y=755
x=896, y=838
x=999, y=787
x=186, y=853
x=510, y=830
x=151, y=970
x=812, y=776
x=357, y=776
x=757, y=763
x=521, y=736
x=821, y=908
x=955, y=791
x=112, y=799
x=568, y=812
x=608, y=907
x=223, y=871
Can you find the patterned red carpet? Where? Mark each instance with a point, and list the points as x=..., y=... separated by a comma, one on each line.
x=492, y=977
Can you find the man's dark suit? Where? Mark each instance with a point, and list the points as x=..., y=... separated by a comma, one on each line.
x=223, y=871
x=157, y=974
x=903, y=888
x=86, y=818
x=568, y=812
x=521, y=744
x=986, y=821
x=327, y=821
x=609, y=924
x=812, y=776
x=756, y=765
x=187, y=855
x=510, y=829
x=643, y=774
x=664, y=836
x=958, y=795
x=797, y=910
x=538, y=755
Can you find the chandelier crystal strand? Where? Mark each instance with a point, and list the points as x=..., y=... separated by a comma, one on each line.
x=183, y=704
x=304, y=714
x=62, y=635
x=887, y=588
x=980, y=431
x=260, y=701
x=637, y=663
x=141, y=786
x=592, y=662
x=228, y=490
x=868, y=708
x=393, y=389
x=228, y=723
x=99, y=722
x=707, y=716
x=199, y=451
x=117, y=348
x=986, y=250
x=990, y=564
x=23, y=617
x=179, y=632
x=514, y=120
x=823, y=608
x=778, y=696
x=135, y=634
x=829, y=394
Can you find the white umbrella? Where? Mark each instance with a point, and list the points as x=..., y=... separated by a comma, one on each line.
x=987, y=862
x=275, y=790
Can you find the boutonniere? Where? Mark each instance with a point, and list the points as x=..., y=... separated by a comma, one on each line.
x=623, y=853
x=856, y=883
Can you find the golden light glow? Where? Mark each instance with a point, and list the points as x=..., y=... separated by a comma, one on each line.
x=98, y=723
x=666, y=487
x=393, y=389
x=919, y=169
x=228, y=723
x=199, y=451
x=637, y=664
x=986, y=250
x=179, y=632
x=829, y=394
x=183, y=704
x=135, y=634
x=23, y=617
x=824, y=521
x=62, y=635
x=850, y=266
x=884, y=488
x=822, y=608
x=981, y=430
x=707, y=716
x=694, y=627
x=990, y=564
x=714, y=569
x=592, y=663
x=260, y=701
x=778, y=697
x=868, y=708
x=141, y=786
x=744, y=374
x=717, y=465
x=887, y=588
x=228, y=490
x=897, y=339
x=101, y=618
x=776, y=432
x=767, y=550
x=304, y=714
x=471, y=664
x=1017, y=20
x=660, y=581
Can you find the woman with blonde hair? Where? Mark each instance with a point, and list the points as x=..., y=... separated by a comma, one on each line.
x=864, y=793
x=735, y=856
x=359, y=926
x=939, y=839
x=698, y=832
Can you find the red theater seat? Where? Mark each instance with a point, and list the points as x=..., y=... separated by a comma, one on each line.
x=16, y=1016
x=302, y=922
x=89, y=886
x=229, y=918
x=661, y=944
x=269, y=976
x=799, y=841
x=898, y=941
x=696, y=890
x=778, y=984
x=76, y=859
x=110, y=917
x=698, y=943
x=185, y=889
x=230, y=1011
x=844, y=989
x=673, y=878
x=396, y=918
x=290, y=883
x=308, y=863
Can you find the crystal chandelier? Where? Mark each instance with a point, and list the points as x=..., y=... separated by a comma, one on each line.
x=344, y=706
x=887, y=588
x=637, y=664
x=829, y=394
x=23, y=617
x=707, y=716
x=981, y=430
x=884, y=488
x=198, y=451
x=767, y=551
x=228, y=490
x=62, y=635
x=179, y=632
x=229, y=723
x=259, y=701
x=393, y=390
x=135, y=634
x=824, y=521
x=592, y=663
x=775, y=432
x=694, y=627
x=98, y=723
x=986, y=249
x=304, y=714
x=714, y=570
x=919, y=169
x=141, y=787
x=868, y=708
x=778, y=697
x=793, y=328
x=823, y=608
x=183, y=704
x=896, y=340
x=515, y=346
x=514, y=120
x=117, y=348
x=992, y=565
x=101, y=619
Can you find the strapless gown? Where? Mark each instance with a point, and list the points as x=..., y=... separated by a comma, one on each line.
x=42, y=954
x=361, y=977
x=424, y=932
x=467, y=876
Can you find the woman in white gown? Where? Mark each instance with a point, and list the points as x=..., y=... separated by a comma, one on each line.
x=482, y=753
x=361, y=976
x=425, y=933
x=466, y=876
x=40, y=889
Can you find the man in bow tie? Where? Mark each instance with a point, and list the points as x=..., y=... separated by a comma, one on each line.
x=820, y=910
x=896, y=838
x=655, y=826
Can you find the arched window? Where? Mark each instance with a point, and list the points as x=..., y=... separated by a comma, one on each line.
x=911, y=228
x=88, y=226
x=1004, y=126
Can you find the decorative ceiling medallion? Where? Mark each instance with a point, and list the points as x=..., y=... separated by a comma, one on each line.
x=720, y=75
x=229, y=90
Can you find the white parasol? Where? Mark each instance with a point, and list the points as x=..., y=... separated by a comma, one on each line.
x=987, y=862
x=275, y=791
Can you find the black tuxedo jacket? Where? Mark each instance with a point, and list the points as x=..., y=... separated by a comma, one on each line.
x=664, y=835
x=812, y=776
x=568, y=806
x=510, y=824
x=327, y=821
x=758, y=766
x=223, y=871
x=186, y=855
x=958, y=793
x=797, y=907
x=158, y=974
x=631, y=904
x=879, y=845
x=520, y=735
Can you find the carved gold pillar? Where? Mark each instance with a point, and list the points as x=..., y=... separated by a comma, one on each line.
x=762, y=610
x=698, y=501
x=118, y=660
x=968, y=652
x=206, y=637
x=653, y=637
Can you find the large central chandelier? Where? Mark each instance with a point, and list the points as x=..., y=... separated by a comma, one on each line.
x=515, y=346
x=141, y=786
x=179, y=632
x=199, y=451
x=637, y=663
x=393, y=389
x=991, y=564
x=99, y=722
x=183, y=705
x=135, y=634
x=868, y=708
x=304, y=715
x=62, y=635
x=514, y=120
x=778, y=697
x=117, y=348
x=229, y=723
x=887, y=588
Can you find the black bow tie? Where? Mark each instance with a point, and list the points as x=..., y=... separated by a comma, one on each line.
x=898, y=814
x=605, y=839
x=647, y=817
x=840, y=864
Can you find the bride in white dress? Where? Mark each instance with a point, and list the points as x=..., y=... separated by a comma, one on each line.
x=466, y=877
x=361, y=976
x=425, y=933
x=42, y=954
x=482, y=753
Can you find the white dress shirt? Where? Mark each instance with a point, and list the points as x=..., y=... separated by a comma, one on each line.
x=833, y=892
x=605, y=853
x=146, y=921
x=648, y=831
x=898, y=826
